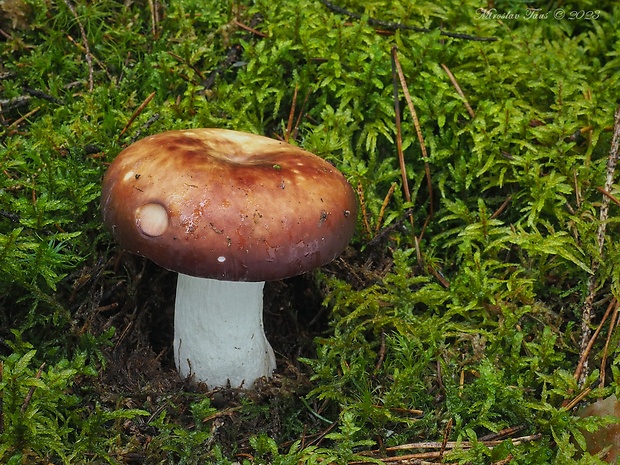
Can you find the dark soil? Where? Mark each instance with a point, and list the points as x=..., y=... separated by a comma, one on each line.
x=136, y=297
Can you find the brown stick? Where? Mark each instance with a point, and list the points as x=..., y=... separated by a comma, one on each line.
x=153, y=26
x=501, y=434
x=18, y=121
x=182, y=60
x=301, y=113
x=360, y=194
x=501, y=208
x=291, y=115
x=586, y=313
x=382, y=349
x=418, y=129
x=249, y=29
x=446, y=436
x=384, y=205
x=153, y=6
x=399, y=140
x=93, y=57
x=611, y=197
x=450, y=445
x=577, y=192
x=458, y=89
x=137, y=112
x=586, y=352
x=89, y=59
x=612, y=325
x=28, y=397
x=582, y=395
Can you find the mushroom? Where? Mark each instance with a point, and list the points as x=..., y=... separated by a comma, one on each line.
x=228, y=211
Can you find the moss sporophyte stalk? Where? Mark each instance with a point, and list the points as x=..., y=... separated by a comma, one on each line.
x=470, y=318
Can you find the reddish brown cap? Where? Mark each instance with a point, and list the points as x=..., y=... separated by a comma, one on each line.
x=228, y=205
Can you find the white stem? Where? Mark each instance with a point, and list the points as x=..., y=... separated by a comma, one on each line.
x=218, y=332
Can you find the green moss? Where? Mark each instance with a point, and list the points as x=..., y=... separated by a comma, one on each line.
x=473, y=324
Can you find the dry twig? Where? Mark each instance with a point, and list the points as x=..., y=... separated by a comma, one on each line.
x=399, y=140
x=93, y=57
x=301, y=113
x=384, y=205
x=446, y=436
x=139, y=110
x=28, y=397
x=612, y=325
x=586, y=314
x=89, y=60
x=360, y=194
x=18, y=121
x=586, y=351
x=435, y=450
x=182, y=60
x=611, y=197
x=418, y=129
x=568, y=405
x=381, y=355
x=249, y=29
x=501, y=208
x=458, y=89
x=154, y=8
x=291, y=115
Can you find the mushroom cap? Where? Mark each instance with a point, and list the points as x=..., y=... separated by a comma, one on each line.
x=227, y=205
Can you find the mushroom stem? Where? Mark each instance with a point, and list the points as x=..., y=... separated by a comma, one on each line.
x=218, y=332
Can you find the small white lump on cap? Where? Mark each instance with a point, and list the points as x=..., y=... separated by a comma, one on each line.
x=152, y=219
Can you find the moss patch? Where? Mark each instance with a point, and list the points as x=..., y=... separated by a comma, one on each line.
x=451, y=327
